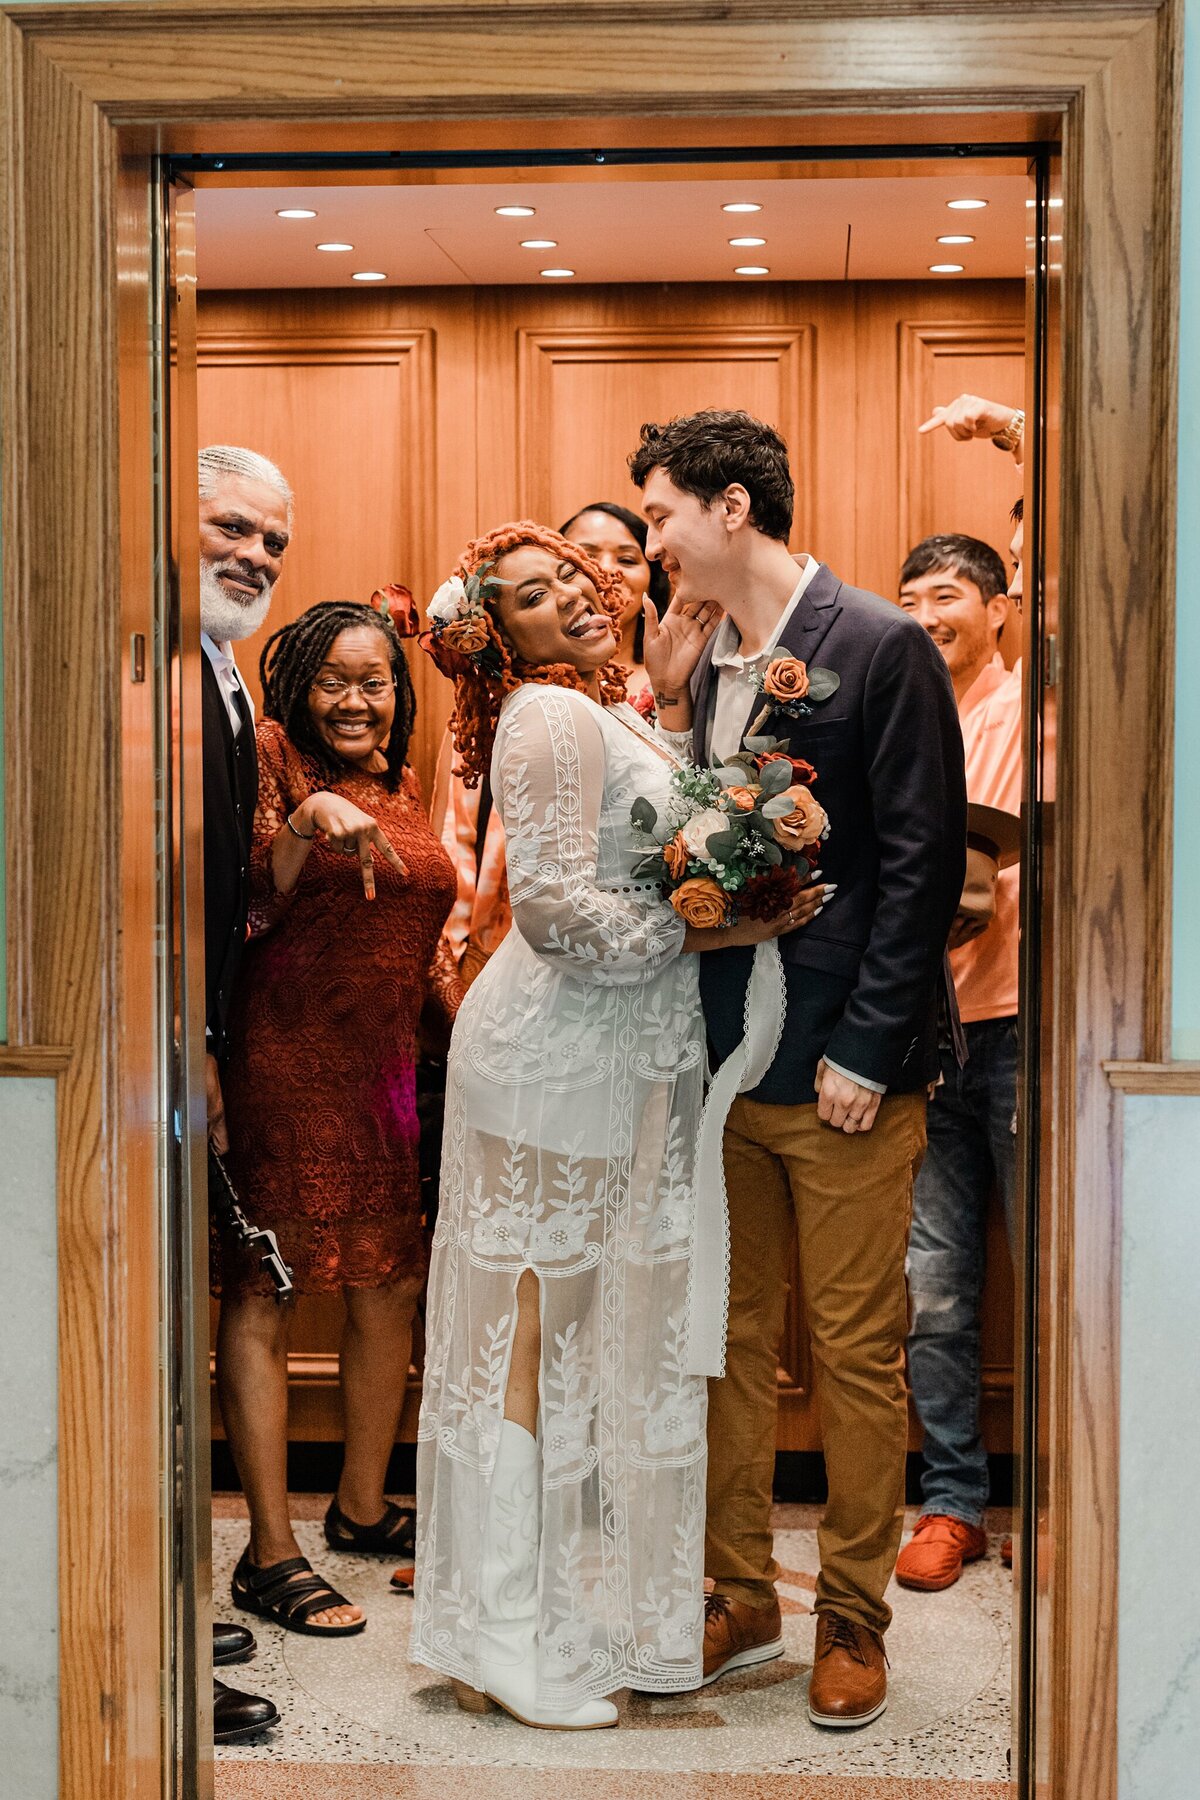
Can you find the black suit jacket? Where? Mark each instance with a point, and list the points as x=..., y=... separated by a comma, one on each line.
x=230, y=796
x=863, y=979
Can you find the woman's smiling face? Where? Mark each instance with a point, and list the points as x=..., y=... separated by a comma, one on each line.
x=352, y=702
x=612, y=545
x=550, y=612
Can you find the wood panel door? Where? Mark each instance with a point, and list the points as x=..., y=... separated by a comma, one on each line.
x=583, y=395
x=409, y=421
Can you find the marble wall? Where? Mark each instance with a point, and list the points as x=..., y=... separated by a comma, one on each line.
x=28, y=1443
x=1159, y=1649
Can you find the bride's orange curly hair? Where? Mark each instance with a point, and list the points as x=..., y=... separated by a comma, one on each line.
x=478, y=697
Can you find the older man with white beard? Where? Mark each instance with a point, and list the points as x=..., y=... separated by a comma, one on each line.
x=245, y=523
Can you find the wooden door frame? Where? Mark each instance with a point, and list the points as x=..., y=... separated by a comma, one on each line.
x=90, y=95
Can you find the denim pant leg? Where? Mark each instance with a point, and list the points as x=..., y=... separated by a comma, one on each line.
x=945, y=1272
x=1001, y=1073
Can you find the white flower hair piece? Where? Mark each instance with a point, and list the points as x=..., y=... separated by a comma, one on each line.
x=449, y=603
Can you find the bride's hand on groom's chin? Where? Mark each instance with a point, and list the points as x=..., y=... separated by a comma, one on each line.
x=673, y=646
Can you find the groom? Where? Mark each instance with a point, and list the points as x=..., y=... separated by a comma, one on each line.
x=829, y=1143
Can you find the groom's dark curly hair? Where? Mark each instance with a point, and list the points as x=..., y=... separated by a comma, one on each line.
x=707, y=452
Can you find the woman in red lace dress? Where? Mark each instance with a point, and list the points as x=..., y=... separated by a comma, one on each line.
x=350, y=890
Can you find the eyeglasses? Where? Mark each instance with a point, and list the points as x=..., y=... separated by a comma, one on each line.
x=375, y=687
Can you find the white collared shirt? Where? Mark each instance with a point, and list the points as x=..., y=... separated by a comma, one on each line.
x=732, y=704
x=733, y=701
x=229, y=678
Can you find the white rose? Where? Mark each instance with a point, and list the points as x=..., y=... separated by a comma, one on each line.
x=700, y=828
x=450, y=602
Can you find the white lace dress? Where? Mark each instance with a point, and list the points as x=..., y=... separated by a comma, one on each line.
x=573, y=1096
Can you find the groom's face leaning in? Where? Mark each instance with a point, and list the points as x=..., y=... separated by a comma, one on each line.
x=718, y=494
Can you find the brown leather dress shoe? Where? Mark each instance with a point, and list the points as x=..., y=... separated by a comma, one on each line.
x=849, y=1678
x=934, y=1555
x=1006, y=1552
x=737, y=1636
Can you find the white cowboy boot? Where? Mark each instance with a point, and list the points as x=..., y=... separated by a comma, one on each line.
x=508, y=1580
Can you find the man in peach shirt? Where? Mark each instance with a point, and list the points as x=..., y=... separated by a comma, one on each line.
x=956, y=588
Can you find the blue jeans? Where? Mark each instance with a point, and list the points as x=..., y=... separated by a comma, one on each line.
x=972, y=1124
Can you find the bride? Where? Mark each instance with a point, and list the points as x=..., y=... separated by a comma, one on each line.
x=561, y=1455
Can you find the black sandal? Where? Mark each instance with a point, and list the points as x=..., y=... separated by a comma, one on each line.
x=276, y=1593
x=393, y=1535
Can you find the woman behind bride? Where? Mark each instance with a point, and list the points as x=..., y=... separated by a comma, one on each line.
x=561, y=1458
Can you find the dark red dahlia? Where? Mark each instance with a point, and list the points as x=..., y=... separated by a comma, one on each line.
x=766, y=896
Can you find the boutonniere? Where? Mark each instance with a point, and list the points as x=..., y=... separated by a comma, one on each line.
x=790, y=686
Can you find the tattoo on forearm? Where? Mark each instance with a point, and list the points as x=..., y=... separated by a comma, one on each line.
x=665, y=702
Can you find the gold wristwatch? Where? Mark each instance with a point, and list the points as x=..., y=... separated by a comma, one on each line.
x=1013, y=432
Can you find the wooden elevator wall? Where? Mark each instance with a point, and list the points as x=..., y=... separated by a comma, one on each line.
x=409, y=420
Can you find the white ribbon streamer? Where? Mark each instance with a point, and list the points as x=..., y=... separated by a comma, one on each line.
x=743, y=1068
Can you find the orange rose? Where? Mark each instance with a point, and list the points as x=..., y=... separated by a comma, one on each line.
x=742, y=798
x=467, y=635
x=786, y=679
x=675, y=855
x=804, y=824
x=701, y=902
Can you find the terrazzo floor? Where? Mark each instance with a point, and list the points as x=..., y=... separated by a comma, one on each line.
x=359, y=1721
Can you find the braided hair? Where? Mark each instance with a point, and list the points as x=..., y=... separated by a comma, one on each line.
x=291, y=661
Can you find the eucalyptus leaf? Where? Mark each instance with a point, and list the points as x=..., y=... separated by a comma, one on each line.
x=648, y=865
x=643, y=814
x=775, y=777
x=823, y=684
x=772, y=853
x=723, y=844
x=777, y=807
x=730, y=775
x=763, y=746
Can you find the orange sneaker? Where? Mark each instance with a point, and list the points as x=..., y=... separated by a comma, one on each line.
x=934, y=1555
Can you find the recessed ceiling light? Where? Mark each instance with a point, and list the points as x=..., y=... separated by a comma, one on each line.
x=956, y=237
x=966, y=205
x=539, y=243
x=294, y=212
x=752, y=269
x=368, y=275
x=741, y=206
x=557, y=274
x=945, y=268
x=335, y=246
x=516, y=212
x=746, y=243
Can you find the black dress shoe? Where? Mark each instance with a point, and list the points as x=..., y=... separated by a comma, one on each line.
x=239, y=1715
x=231, y=1643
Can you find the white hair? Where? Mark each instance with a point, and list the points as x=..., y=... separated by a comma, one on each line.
x=230, y=459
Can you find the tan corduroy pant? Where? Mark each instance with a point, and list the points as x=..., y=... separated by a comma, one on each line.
x=849, y=1198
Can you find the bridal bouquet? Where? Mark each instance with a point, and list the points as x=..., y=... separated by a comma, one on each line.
x=734, y=842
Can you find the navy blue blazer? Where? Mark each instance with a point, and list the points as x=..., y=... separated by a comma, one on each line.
x=864, y=979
